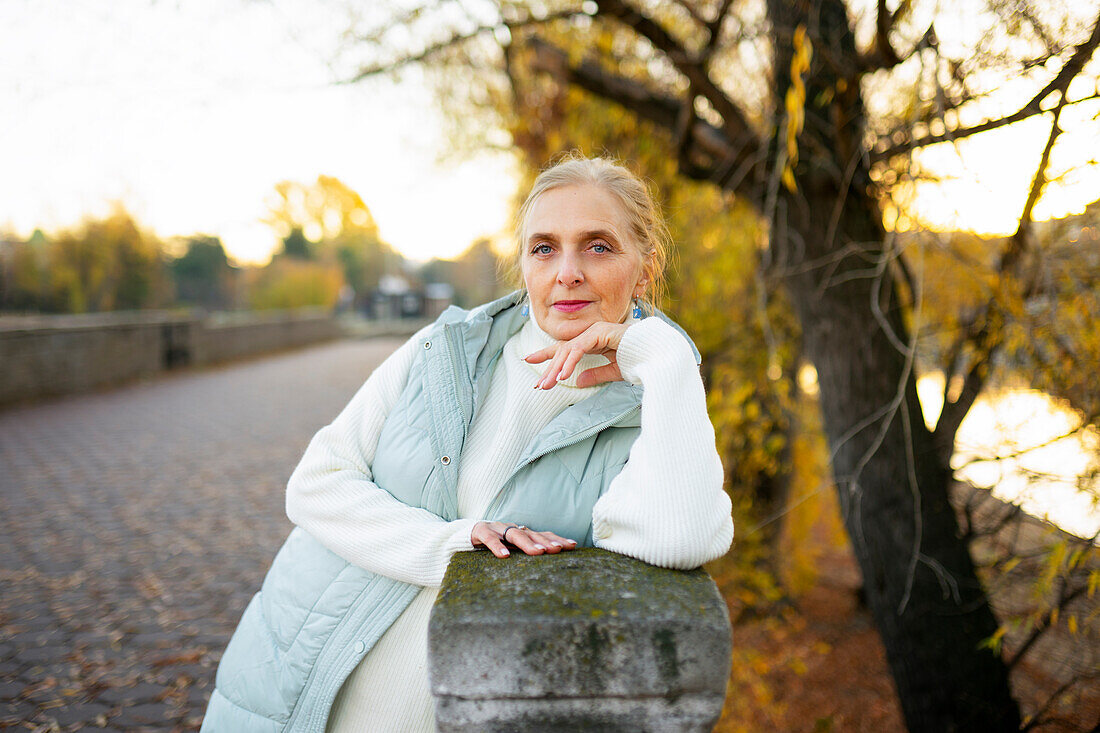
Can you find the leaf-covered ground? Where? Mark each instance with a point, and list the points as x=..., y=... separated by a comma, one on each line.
x=812, y=660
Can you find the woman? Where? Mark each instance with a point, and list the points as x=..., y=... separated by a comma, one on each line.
x=554, y=417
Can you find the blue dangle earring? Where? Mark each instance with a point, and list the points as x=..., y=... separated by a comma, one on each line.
x=526, y=309
x=637, y=312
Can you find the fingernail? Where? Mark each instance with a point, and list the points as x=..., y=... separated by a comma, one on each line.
x=562, y=377
x=556, y=544
x=504, y=552
x=540, y=547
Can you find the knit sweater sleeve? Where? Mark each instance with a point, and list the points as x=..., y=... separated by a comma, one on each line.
x=666, y=506
x=333, y=497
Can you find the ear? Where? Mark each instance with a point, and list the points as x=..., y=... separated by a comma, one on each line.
x=643, y=280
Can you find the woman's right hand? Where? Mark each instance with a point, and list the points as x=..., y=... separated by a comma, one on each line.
x=492, y=535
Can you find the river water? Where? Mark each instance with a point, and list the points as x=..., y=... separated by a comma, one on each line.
x=1027, y=449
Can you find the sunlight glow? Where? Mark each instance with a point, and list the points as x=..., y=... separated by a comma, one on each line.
x=189, y=114
x=985, y=179
x=1028, y=449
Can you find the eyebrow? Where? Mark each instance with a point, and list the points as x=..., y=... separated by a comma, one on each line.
x=588, y=234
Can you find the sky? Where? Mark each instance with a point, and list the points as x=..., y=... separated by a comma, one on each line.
x=190, y=111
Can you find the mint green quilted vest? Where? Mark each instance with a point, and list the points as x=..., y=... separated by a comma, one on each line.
x=317, y=615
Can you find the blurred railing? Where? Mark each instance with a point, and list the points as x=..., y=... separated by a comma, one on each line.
x=584, y=640
x=44, y=356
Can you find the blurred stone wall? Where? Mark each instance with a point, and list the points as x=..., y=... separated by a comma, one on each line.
x=43, y=356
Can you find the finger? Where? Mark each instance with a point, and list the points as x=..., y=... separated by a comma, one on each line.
x=570, y=363
x=546, y=541
x=523, y=540
x=497, y=546
x=552, y=542
x=550, y=376
x=486, y=536
x=541, y=355
x=599, y=375
x=551, y=537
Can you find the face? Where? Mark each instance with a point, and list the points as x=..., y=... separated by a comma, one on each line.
x=579, y=263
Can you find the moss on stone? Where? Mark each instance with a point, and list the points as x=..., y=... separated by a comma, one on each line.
x=585, y=583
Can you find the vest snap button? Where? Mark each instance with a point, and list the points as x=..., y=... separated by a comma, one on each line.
x=445, y=460
x=360, y=647
x=427, y=344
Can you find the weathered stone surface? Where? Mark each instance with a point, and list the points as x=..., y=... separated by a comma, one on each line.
x=585, y=640
x=604, y=715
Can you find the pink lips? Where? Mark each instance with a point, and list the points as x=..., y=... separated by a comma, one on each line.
x=570, y=306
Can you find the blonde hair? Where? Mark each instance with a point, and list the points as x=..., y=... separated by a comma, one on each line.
x=645, y=223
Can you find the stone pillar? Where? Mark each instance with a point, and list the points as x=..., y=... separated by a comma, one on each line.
x=583, y=640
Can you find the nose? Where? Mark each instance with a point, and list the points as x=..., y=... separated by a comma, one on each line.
x=569, y=270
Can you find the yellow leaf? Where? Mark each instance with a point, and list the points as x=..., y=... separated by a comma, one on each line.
x=788, y=180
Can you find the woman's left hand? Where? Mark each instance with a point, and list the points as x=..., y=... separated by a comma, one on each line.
x=599, y=338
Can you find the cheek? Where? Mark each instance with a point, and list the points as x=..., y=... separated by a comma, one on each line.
x=626, y=279
x=532, y=274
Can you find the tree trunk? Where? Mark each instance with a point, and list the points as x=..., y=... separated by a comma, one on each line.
x=920, y=582
x=928, y=604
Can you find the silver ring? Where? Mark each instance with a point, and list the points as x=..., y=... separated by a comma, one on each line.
x=504, y=535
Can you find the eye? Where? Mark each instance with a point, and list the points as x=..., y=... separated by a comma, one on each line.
x=600, y=247
x=542, y=248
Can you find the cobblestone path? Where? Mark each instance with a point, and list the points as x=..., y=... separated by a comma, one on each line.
x=135, y=525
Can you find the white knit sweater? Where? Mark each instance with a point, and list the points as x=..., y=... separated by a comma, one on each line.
x=666, y=506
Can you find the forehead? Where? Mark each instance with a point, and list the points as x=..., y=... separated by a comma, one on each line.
x=571, y=209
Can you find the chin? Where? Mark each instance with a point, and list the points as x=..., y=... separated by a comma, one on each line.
x=565, y=329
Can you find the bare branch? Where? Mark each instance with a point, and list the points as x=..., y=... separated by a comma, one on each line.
x=952, y=415
x=884, y=23
x=411, y=16
x=989, y=337
x=684, y=122
x=455, y=40
x=1059, y=83
x=882, y=54
x=1019, y=242
x=1024, y=451
x=735, y=124
x=649, y=104
x=1064, y=598
x=1037, y=719
x=714, y=27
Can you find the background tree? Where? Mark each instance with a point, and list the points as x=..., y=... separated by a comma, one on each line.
x=24, y=279
x=771, y=103
x=295, y=245
x=329, y=222
x=289, y=282
x=107, y=263
x=203, y=275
